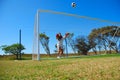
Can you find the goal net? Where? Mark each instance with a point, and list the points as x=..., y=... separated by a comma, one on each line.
x=52, y=22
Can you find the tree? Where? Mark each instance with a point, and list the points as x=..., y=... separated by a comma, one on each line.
x=96, y=36
x=44, y=39
x=71, y=42
x=106, y=37
x=93, y=45
x=13, y=49
x=84, y=44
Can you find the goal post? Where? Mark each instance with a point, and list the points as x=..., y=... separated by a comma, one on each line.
x=36, y=44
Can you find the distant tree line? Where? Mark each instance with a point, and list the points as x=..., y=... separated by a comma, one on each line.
x=100, y=39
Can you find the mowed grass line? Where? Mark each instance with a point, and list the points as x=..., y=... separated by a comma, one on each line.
x=104, y=68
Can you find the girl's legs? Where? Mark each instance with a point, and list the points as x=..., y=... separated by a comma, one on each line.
x=60, y=51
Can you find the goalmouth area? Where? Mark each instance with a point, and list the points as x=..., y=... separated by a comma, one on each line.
x=83, y=20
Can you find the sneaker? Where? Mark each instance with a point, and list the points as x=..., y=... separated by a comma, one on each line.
x=58, y=57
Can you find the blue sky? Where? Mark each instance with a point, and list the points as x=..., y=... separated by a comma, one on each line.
x=20, y=14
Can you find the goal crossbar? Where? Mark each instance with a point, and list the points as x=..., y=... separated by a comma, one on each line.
x=77, y=16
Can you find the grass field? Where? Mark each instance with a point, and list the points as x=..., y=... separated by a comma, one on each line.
x=73, y=68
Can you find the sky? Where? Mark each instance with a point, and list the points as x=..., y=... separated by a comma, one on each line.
x=20, y=14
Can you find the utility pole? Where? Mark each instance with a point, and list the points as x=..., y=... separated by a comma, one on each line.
x=20, y=43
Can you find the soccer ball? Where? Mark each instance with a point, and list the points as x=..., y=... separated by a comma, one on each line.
x=73, y=4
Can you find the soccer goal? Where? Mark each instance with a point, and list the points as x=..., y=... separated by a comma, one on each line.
x=71, y=25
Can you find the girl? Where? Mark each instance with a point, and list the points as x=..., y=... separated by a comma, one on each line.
x=60, y=39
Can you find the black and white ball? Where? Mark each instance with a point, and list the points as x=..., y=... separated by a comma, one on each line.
x=73, y=4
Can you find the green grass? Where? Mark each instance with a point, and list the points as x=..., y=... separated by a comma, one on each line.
x=102, y=67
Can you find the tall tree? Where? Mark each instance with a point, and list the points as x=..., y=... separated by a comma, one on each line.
x=71, y=42
x=44, y=39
